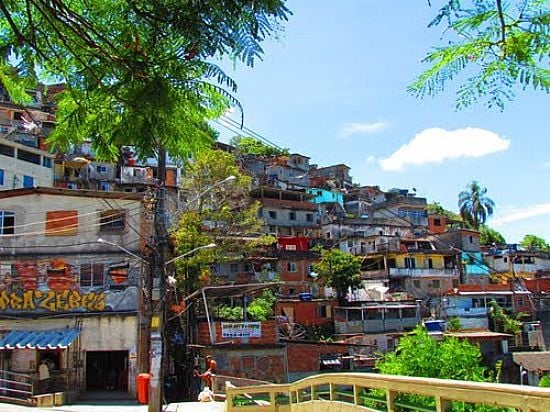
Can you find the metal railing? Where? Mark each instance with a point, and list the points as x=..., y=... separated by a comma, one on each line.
x=15, y=386
x=376, y=392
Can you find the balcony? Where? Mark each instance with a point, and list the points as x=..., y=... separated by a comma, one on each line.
x=352, y=392
x=416, y=273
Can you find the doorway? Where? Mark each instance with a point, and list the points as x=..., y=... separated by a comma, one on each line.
x=107, y=371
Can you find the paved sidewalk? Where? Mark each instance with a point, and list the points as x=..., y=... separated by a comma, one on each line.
x=118, y=406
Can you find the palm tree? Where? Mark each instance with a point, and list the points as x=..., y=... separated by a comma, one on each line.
x=474, y=207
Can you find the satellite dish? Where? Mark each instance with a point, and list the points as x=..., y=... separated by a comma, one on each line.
x=313, y=275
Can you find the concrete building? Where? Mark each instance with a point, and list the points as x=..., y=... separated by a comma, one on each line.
x=64, y=297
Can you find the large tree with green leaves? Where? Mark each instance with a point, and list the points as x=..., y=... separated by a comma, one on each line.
x=223, y=214
x=489, y=236
x=534, y=243
x=339, y=270
x=419, y=354
x=136, y=72
x=496, y=46
x=475, y=207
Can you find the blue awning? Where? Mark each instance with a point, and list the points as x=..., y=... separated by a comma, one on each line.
x=35, y=339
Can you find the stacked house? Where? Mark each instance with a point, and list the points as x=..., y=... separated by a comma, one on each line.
x=91, y=297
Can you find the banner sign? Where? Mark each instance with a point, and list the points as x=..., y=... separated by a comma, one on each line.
x=242, y=330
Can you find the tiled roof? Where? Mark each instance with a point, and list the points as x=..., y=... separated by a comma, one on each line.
x=34, y=339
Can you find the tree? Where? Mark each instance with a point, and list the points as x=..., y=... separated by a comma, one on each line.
x=499, y=44
x=534, y=243
x=249, y=145
x=489, y=236
x=436, y=208
x=223, y=214
x=474, y=206
x=136, y=72
x=418, y=354
x=339, y=270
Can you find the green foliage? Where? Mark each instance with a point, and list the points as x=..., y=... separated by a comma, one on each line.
x=505, y=322
x=220, y=213
x=489, y=236
x=499, y=44
x=261, y=308
x=534, y=243
x=454, y=324
x=436, y=208
x=249, y=145
x=230, y=313
x=137, y=73
x=339, y=270
x=545, y=381
x=474, y=206
x=420, y=355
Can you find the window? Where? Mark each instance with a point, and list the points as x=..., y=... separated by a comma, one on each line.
x=471, y=239
x=437, y=222
x=62, y=223
x=47, y=162
x=101, y=168
x=112, y=220
x=430, y=263
x=28, y=156
x=234, y=267
x=28, y=181
x=91, y=274
x=519, y=302
x=272, y=214
x=105, y=187
x=292, y=215
x=325, y=311
x=292, y=267
x=1, y=177
x=7, y=150
x=7, y=222
x=436, y=284
x=410, y=263
x=416, y=283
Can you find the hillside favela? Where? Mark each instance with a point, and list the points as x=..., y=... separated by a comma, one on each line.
x=271, y=206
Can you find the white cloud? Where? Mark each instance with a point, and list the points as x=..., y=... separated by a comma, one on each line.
x=545, y=166
x=371, y=159
x=521, y=214
x=349, y=129
x=437, y=145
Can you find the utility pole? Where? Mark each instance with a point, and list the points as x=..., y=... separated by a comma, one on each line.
x=157, y=338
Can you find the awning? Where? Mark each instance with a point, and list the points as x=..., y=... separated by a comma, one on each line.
x=34, y=339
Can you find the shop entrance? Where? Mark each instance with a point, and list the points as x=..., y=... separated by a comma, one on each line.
x=107, y=371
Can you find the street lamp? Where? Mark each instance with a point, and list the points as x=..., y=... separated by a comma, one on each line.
x=106, y=242
x=210, y=245
x=209, y=188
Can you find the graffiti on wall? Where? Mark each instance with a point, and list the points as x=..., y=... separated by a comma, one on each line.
x=55, y=285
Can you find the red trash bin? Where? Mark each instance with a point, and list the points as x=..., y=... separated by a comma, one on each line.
x=143, y=387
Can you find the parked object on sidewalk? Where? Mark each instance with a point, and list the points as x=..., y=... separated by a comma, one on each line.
x=206, y=395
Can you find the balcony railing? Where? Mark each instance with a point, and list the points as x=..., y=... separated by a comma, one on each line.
x=351, y=392
x=405, y=272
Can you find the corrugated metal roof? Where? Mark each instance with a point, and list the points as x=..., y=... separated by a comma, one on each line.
x=34, y=339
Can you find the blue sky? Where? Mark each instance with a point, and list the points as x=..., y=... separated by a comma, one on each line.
x=333, y=87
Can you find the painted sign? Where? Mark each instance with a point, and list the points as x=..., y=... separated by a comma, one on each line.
x=52, y=301
x=57, y=286
x=242, y=329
